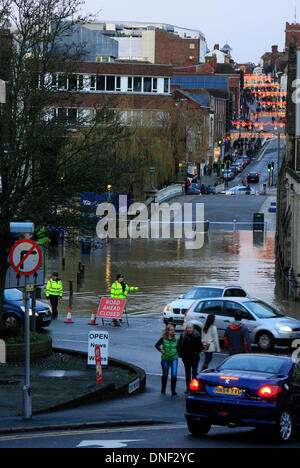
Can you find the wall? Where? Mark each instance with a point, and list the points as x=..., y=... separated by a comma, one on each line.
x=175, y=50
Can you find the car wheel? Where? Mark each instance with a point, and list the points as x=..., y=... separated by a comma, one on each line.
x=265, y=341
x=284, y=430
x=198, y=427
x=12, y=321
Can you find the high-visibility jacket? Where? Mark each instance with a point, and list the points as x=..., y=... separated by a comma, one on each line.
x=116, y=291
x=54, y=288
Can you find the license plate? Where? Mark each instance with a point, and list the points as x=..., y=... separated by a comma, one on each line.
x=228, y=391
x=45, y=319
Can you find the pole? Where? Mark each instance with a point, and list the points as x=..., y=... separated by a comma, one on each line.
x=278, y=161
x=27, y=406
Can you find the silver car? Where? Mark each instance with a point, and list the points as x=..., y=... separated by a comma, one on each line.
x=267, y=326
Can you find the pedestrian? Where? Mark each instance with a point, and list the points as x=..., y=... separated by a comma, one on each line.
x=236, y=338
x=54, y=292
x=190, y=346
x=119, y=290
x=168, y=347
x=210, y=340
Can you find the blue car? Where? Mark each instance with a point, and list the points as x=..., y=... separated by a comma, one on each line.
x=14, y=310
x=247, y=390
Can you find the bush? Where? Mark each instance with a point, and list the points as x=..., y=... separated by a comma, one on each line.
x=16, y=336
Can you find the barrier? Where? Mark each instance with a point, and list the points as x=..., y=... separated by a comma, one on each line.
x=169, y=192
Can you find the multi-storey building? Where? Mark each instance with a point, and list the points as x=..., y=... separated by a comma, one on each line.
x=154, y=42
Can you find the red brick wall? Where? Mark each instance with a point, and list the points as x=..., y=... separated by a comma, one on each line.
x=292, y=30
x=170, y=49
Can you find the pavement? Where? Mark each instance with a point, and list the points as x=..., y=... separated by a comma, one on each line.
x=67, y=388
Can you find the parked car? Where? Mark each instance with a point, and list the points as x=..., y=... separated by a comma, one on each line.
x=267, y=326
x=261, y=391
x=175, y=311
x=14, y=310
x=238, y=166
x=253, y=177
x=239, y=190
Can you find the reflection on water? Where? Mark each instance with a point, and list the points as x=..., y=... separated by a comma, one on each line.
x=163, y=269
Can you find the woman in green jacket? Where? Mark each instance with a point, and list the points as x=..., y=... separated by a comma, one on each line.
x=168, y=347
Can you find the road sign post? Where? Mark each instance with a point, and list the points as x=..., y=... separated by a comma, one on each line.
x=26, y=258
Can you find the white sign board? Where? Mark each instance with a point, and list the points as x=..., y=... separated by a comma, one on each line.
x=98, y=338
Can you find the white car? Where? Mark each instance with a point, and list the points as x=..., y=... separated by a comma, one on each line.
x=175, y=311
x=266, y=325
x=239, y=190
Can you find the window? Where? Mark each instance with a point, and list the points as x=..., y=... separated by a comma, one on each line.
x=137, y=84
x=198, y=307
x=118, y=83
x=263, y=310
x=154, y=86
x=199, y=293
x=235, y=292
x=110, y=83
x=166, y=85
x=213, y=307
x=100, y=83
x=62, y=81
x=72, y=115
x=232, y=307
x=130, y=88
x=72, y=82
x=192, y=46
x=271, y=365
x=93, y=82
x=147, y=85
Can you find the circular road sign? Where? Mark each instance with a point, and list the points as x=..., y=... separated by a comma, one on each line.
x=25, y=257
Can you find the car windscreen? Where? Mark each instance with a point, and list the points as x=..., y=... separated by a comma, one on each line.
x=263, y=310
x=199, y=293
x=267, y=364
x=13, y=295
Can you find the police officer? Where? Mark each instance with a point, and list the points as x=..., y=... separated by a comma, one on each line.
x=54, y=292
x=119, y=290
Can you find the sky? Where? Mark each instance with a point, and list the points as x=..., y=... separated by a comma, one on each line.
x=250, y=27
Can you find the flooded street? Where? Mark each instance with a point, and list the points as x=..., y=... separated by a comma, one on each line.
x=165, y=269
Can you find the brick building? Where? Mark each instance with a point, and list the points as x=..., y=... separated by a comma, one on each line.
x=139, y=91
x=292, y=33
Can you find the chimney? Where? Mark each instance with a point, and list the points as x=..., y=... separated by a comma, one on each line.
x=275, y=49
x=217, y=47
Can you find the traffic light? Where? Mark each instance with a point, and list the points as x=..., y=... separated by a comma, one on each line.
x=222, y=167
x=272, y=166
x=227, y=165
x=269, y=167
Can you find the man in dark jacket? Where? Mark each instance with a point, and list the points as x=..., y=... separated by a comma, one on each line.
x=236, y=338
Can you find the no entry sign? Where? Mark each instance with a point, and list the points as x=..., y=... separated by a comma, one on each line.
x=25, y=257
x=111, y=308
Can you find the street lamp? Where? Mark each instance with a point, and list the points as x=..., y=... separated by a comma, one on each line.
x=109, y=187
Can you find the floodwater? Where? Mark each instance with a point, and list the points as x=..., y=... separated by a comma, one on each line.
x=164, y=269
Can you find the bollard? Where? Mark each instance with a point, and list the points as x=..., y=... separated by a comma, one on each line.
x=71, y=288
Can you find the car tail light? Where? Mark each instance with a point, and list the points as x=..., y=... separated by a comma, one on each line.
x=223, y=377
x=268, y=391
x=195, y=385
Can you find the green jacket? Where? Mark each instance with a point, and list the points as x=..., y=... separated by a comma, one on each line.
x=170, y=347
x=116, y=291
x=54, y=288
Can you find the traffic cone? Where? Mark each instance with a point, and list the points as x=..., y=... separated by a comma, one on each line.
x=93, y=318
x=69, y=317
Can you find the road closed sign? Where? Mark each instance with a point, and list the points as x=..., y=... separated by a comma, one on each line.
x=111, y=308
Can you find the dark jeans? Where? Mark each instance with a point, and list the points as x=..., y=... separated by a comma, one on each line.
x=54, y=304
x=191, y=368
x=208, y=358
x=166, y=366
